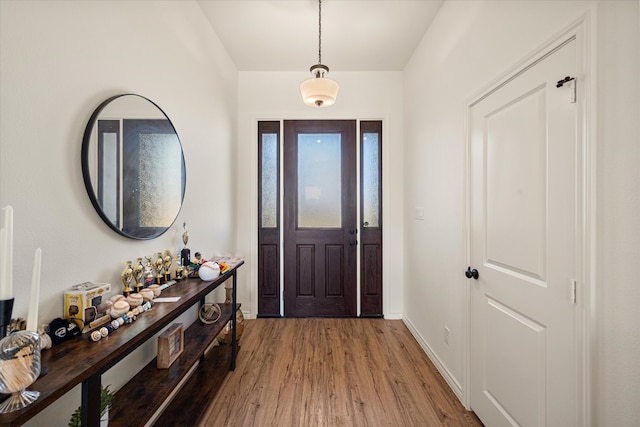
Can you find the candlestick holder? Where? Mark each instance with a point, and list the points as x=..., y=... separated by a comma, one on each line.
x=19, y=368
x=6, y=308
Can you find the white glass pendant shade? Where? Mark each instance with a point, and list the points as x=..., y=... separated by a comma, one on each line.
x=319, y=92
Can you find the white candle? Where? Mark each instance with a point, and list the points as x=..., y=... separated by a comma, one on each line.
x=6, y=259
x=34, y=297
x=3, y=243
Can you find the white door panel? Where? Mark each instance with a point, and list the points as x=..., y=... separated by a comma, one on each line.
x=515, y=185
x=523, y=244
x=522, y=359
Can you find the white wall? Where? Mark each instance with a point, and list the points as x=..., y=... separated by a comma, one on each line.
x=470, y=44
x=616, y=368
x=59, y=60
x=365, y=95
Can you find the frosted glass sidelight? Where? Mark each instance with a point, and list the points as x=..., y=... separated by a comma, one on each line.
x=160, y=162
x=108, y=190
x=319, y=181
x=370, y=180
x=269, y=180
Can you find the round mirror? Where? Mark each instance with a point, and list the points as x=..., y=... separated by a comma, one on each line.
x=133, y=166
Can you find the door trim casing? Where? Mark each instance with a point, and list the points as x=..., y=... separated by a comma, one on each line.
x=581, y=30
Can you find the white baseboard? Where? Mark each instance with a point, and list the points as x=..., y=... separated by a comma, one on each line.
x=393, y=316
x=449, y=378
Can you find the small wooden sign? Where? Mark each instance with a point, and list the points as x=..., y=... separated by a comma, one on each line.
x=170, y=345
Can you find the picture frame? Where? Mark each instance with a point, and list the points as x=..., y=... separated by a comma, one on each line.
x=170, y=345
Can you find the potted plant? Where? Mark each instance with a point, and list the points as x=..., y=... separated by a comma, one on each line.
x=106, y=397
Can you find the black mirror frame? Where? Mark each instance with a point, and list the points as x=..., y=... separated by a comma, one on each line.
x=86, y=141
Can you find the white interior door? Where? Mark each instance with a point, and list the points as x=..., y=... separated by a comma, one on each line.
x=524, y=230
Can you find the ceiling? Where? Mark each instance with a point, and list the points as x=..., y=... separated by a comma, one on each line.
x=357, y=35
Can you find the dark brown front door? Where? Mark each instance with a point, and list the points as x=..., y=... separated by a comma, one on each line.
x=320, y=232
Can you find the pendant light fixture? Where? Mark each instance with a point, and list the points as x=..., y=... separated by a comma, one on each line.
x=319, y=91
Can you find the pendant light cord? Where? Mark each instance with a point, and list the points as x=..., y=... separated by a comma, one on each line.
x=319, y=31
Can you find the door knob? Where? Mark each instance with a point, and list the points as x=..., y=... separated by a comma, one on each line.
x=353, y=243
x=471, y=273
x=353, y=231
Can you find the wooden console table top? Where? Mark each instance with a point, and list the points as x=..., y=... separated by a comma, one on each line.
x=80, y=359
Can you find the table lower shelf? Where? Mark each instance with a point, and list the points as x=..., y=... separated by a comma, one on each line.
x=189, y=406
x=138, y=400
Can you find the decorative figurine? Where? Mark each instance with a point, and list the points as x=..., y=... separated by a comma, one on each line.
x=127, y=277
x=180, y=274
x=149, y=279
x=138, y=275
x=168, y=260
x=199, y=260
x=158, y=264
x=185, y=254
x=195, y=265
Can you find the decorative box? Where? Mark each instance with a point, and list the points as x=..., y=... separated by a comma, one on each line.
x=81, y=303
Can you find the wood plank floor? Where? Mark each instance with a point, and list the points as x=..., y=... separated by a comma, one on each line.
x=334, y=372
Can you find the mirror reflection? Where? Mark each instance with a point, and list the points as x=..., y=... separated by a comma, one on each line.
x=133, y=166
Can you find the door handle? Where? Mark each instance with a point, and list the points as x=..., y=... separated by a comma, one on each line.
x=353, y=231
x=353, y=243
x=471, y=273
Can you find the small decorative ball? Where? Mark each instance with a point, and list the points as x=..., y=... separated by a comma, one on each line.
x=134, y=300
x=104, y=332
x=225, y=334
x=156, y=290
x=96, y=335
x=105, y=306
x=119, y=308
x=117, y=297
x=147, y=294
x=209, y=270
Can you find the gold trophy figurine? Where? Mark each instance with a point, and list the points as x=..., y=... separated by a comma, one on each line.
x=185, y=253
x=179, y=269
x=148, y=272
x=138, y=275
x=158, y=264
x=127, y=277
x=168, y=260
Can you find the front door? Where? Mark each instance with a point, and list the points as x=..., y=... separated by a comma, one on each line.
x=320, y=232
x=524, y=247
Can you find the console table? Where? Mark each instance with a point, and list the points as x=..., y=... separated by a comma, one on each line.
x=81, y=361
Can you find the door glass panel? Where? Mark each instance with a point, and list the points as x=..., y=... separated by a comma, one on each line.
x=160, y=163
x=319, y=178
x=370, y=180
x=269, y=180
x=108, y=191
